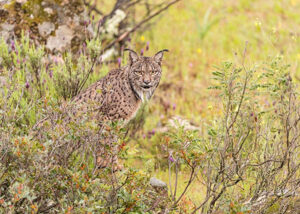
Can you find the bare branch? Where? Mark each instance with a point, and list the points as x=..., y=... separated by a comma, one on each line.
x=137, y=26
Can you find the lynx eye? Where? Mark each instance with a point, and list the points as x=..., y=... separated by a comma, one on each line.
x=138, y=72
x=154, y=71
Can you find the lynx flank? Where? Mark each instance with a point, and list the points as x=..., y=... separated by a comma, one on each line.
x=121, y=92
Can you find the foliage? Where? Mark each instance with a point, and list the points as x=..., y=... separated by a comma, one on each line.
x=242, y=157
x=254, y=146
x=36, y=176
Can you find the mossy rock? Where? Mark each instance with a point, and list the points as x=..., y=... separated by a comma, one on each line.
x=58, y=24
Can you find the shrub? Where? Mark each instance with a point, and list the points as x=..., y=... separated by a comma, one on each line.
x=50, y=166
x=249, y=159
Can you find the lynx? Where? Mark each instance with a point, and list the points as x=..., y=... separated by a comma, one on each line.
x=117, y=97
x=122, y=91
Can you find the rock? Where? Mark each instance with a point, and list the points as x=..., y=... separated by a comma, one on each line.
x=6, y=29
x=112, y=24
x=177, y=122
x=60, y=25
x=62, y=40
x=107, y=54
x=154, y=182
x=21, y=1
x=159, y=197
x=46, y=28
x=49, y=10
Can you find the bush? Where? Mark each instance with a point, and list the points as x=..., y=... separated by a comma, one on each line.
x=50, y=166
x=248, y=159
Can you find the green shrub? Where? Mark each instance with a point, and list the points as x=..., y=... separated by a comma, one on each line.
x=247, y=160
x=51, y=168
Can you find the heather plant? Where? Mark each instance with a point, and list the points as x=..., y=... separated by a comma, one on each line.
x=38, y=75
x=49, y=166
x=72, y=75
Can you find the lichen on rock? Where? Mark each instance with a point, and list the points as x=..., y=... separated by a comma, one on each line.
x=61, y=40
x=46, y=28
x=60, y=25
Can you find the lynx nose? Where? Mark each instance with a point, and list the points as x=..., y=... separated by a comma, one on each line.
x=146, y=81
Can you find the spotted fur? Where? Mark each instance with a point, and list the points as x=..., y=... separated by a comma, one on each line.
x=119, y=95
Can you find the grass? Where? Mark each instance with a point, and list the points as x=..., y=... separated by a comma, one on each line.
x=200, y=35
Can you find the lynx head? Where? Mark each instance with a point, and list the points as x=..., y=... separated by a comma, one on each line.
x=144, y=73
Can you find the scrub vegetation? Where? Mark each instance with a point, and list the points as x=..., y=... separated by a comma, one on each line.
x=222, y=130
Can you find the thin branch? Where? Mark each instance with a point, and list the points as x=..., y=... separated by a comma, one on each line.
x=267, y=161
x=201, y=205
x=187, y=186
x=170, y=184
x=133, y=3
x=244, y=89
x=137, y=26
x=212, y=203
x=93, y=8
x=41, y=210
x=82, y=83
x=176, y=179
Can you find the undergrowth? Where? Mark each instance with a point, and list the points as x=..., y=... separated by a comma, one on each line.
x=246, y=160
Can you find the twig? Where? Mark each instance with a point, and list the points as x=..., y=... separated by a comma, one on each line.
x=186, y=187
x=243, y=92
x=124, y=35
x=176, y=179
x=201, y=205
x=267, y=161
x=133, y=3
x=92, y=8
x=170, y=184
x=82, y=83
x=41, y=210
x=241, y=145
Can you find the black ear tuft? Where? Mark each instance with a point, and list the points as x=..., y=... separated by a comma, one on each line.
x=133, y=57
x=159, y=56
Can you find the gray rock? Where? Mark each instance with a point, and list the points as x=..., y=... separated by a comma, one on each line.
x=49, y=10
x=62, y=39
x=21, y=1
x=157, y=183
x=46, y=28
x=5, y=30
x=113, y=23
x=55, y=22
x=177, y=122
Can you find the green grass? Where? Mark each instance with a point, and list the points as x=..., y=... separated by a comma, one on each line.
x=202, y=34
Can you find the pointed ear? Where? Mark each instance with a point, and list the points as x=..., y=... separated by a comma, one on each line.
x=159, y=56
x=133, y=57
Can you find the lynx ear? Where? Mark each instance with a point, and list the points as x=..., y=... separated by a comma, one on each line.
x=133, y=57
x=159, y=56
